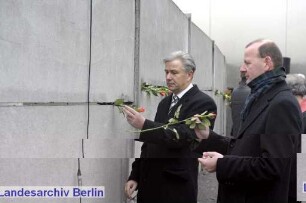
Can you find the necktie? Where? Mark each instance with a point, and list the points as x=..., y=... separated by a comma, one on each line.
x=173, y=102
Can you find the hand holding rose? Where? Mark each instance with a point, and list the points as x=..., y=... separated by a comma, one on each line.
x=133, y=117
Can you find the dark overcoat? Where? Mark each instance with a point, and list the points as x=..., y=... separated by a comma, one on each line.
x=260, y=161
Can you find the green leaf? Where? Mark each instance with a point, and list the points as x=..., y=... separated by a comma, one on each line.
x=119, y=102
x=192, y=126
x=154, y=89
x=193, y=119
x=188, y=122
x=173, y=120
x=201, y=126
x=177, y=112
x=206, y=122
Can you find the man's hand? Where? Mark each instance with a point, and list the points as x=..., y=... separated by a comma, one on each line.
x=209, y=161
x=201, y=134
x=130, y=187
x=134, y=118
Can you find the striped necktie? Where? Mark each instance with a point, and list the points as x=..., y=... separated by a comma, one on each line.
x=174, y=101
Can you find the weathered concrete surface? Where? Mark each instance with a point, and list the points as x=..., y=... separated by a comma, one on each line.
x=163, y=29
x=111, y=173
x=43, y=122
x=113, y=31
x=44, y=50
x=108, y=148
x=304, y=143
x=38, y=172
x=219, y=84
x=53, y=147
x=201, y=50
x=106, y=122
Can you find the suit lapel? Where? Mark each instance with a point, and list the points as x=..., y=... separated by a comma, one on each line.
x=261, y=105
x=162, y=115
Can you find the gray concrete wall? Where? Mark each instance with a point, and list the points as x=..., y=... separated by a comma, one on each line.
x=301, y=172
x=38, y=172
x=163, y=29
x=113, y=33
x=201, y=48
x=46, y=54
x=219, y=84
x=44, y=50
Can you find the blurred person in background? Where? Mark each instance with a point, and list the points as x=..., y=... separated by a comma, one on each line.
x=297, y=83
x=239, y=96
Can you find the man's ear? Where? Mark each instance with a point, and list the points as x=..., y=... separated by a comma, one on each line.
x=190, y=74
x=269, y=63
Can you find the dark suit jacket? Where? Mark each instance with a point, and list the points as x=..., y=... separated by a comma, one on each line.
x=260, y=160
x=167, y=170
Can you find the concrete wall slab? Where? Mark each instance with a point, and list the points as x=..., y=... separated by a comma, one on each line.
x=52, y=147
x=163, y=29
x=219, y=84
x=44, y=50
x=43, y=122
x=108, y=148
x=113, y=33
x=111, y=173
x=106, y=122
x=201, y=48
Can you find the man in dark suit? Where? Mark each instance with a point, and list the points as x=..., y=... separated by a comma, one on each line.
x=167, y=170
x=257, y=165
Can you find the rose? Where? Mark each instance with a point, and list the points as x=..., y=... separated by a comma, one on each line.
x=226, y=94
x=140, y=109
x=162, y=93
x=120, y=103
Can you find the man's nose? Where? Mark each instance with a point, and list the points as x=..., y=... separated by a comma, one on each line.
x=242, y=68
x=168, y=76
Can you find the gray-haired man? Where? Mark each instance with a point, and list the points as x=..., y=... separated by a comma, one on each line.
x=167, y=170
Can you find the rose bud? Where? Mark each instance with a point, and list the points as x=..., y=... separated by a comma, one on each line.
x=162, y=93
x=212, y=115
x=140, y=109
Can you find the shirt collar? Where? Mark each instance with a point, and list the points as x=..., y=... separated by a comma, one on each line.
x=181, y=94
